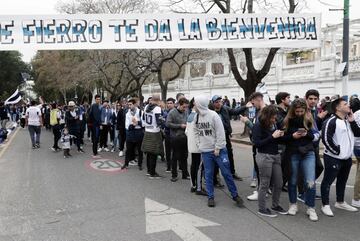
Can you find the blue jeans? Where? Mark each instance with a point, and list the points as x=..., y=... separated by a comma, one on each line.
x=307, y=164
x=116, y=137
x=34, y=132
x=223, y=162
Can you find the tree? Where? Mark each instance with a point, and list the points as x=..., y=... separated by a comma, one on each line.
x=11, y=67
x=254, y=76
x=168, y=64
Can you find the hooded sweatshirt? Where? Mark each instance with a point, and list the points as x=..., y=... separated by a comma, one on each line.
x=209, y=129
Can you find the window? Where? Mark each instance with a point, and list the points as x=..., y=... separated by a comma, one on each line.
x=217, y=68
x=197, y=69
x=300, y=57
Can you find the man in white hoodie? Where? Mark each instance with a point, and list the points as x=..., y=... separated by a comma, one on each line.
x=210, y=138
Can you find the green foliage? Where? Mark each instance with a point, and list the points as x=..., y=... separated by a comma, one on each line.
x=11, y=67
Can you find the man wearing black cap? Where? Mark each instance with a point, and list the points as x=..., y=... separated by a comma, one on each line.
x=225, y=112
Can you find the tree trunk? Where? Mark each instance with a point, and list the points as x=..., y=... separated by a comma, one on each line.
x=164, y=90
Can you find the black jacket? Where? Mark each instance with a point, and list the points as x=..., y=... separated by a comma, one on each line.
x=120, y=122
x=225, y=113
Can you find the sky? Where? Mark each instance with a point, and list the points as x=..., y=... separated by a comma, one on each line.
x=35, y=7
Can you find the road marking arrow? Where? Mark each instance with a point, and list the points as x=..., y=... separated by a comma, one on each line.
x=160, y=218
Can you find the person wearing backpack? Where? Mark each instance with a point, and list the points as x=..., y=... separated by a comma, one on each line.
x=55, y=124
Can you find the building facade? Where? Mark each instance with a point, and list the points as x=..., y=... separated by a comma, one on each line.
x=293, y=71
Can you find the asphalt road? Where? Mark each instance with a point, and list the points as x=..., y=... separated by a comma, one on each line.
x=44, y=197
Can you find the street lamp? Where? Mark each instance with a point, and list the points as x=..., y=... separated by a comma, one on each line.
x=345, y=80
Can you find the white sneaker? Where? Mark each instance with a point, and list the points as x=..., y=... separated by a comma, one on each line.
x=133, y=163
x=293, y=209
x=253, y=183
x=106, y=149
x=312, y=214
x=253, y=197
x=121, y=153
x=112, y=150
x=100, y=149
x=345, y=206
x=327, y=211
x=355, y=203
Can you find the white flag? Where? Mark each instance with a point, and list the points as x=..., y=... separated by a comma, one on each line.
x=14, y=98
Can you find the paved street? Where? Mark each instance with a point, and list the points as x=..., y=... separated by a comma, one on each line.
x=44, y=197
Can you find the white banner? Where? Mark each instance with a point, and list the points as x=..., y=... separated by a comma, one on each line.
x=144, y=31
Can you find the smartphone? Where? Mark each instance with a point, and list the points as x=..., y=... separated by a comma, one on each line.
x=301, y=130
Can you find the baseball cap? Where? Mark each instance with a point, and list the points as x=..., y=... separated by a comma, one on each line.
x=71, y=103
x=215, y=98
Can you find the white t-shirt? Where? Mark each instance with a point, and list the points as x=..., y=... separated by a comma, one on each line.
x=149, y=120
x=34, y=114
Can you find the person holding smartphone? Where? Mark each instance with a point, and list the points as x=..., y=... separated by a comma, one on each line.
x=299, y=128
x=266, y=138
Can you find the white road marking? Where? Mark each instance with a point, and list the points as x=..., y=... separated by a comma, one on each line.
x=160, y=218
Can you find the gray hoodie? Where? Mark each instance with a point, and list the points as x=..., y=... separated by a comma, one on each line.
x=209, y=129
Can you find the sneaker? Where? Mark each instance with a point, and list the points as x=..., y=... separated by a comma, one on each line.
x=37, y=145
x=106, y=149
x=133, y=163
x=239, y=202
x=236, y=177
x=100, y=149
x=112, y=150
x=211, y=202
x=124, y=167
x=269, y=192
x=345, y=206
x=253, y=197
x=147, y=174
x=201, y=193
x=279, y=210
x=355, y=203
x=267, y=213
x=34, y=147
x=168, y=170
x=186, y=177
x=327, y=211
x=53, y=149
x=253, y=183
x=81, y=151
x=193, y=189
x=65, y=157
x=173, y=179
x=293, y=209
x=301, y=197
x=312, y=214
x=155, y=176
x=121, y=153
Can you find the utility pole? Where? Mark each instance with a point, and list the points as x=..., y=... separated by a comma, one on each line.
x=345, y=80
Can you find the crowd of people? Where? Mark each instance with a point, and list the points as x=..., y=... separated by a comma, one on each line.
x=285, y=135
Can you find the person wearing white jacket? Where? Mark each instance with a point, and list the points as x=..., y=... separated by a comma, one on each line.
x=338, y=139
x=196, y=168
x=210, y=138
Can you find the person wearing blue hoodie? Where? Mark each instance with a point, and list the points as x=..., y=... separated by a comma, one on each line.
x=210, y=138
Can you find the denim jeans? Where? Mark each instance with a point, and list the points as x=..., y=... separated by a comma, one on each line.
x=116, y=138
x=35, y=132
x=222, y=161
x=335, y=168
x=307, y=164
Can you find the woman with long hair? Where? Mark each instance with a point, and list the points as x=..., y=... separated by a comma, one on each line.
x=299, y=128
x=266, y=138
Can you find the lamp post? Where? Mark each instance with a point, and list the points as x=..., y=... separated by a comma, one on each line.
x=345, y=81
x=345, y=73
